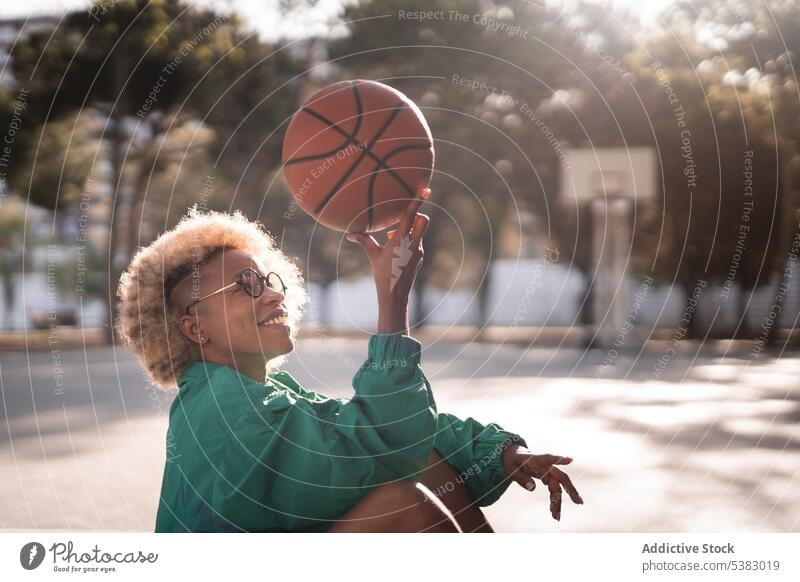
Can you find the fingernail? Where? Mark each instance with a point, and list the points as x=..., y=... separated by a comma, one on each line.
x=529, y=486
x=426, y=192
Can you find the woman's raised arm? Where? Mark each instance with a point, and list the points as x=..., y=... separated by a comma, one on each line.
x=395, y=265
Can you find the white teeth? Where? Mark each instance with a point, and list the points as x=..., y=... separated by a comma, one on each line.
x=279, y=320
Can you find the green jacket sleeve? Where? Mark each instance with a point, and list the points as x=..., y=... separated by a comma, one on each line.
x=477, y=452
x=301, y=457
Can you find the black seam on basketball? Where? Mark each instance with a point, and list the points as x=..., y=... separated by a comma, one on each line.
x=334, y=151
x=400, y=149
x=357, y=97
x=349, y=137
x=381, y=162
x=311, y=158
x=370, y=196
x=395, y=111
x=334, y=126
x=374, y=176
x=391, y=170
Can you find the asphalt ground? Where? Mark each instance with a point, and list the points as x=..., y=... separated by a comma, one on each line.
x=705, y=440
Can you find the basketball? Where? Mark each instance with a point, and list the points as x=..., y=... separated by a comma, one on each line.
x=356, y=154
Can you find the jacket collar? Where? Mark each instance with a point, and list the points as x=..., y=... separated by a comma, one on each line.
x=202, y=371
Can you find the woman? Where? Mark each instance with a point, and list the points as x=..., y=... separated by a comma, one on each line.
x=213, y=307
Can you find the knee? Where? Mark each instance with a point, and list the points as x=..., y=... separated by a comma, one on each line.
x=413, y=506
x=446, y=481
x=400, y=494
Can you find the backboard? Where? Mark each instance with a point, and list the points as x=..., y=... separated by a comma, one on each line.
x=592, y=173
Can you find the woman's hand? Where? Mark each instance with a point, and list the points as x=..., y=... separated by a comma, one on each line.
x=523, y=466
x=395, y=265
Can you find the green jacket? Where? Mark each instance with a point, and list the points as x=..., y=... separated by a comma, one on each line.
x=250, y=456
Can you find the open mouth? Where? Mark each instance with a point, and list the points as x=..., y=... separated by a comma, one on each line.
x=276, y=319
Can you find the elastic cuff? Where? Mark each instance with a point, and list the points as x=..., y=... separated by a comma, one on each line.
x=489, y=450
x=489, y=447
x=394, y=350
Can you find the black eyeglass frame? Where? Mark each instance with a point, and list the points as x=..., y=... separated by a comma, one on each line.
x=263, y=279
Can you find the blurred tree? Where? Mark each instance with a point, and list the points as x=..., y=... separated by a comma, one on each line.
x=503, y=86
x=152, y=66
x=733, y=61
x=53, y=173
x=758, y=43
x=502, y=103
x=711, y=86
x=426, y=59
x=247, y=95
x=327, y=256
x=13, y=225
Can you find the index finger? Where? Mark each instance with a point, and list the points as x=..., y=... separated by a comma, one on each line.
x=421, y=222
x=407, y=220
x=408, y=217
x=555, y=498
x=567, y=483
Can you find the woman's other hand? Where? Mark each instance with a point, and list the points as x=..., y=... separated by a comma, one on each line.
x=523, y=467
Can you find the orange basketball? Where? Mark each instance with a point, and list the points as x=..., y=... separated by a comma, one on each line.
x=356, y=154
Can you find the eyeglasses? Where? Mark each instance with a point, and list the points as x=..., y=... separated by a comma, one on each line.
x=251, y=283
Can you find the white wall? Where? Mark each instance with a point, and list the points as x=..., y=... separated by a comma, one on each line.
x=521, y=293
x=32, y=294
x=536, y=292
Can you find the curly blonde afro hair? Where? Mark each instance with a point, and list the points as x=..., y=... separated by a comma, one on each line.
x=147, y=324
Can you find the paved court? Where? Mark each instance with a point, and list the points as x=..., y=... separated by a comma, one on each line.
x=708, y=443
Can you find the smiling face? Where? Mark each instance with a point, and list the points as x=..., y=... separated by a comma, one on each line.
x=232, y=327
